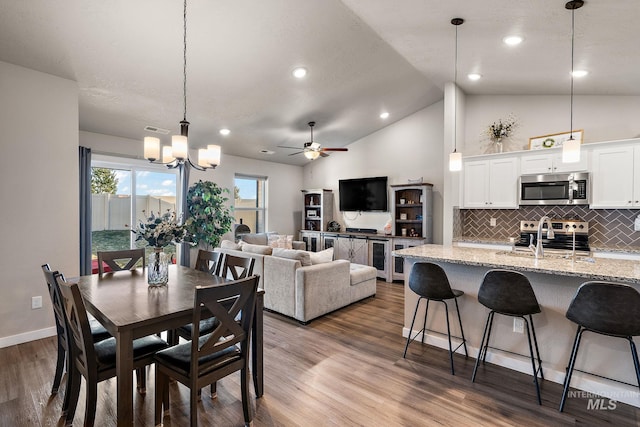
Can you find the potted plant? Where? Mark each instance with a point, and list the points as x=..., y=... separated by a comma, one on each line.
x=209, y=216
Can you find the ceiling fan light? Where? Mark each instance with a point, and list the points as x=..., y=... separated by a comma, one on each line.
x=311, y=154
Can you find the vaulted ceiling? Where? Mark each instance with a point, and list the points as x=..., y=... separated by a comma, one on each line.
x=363, y=57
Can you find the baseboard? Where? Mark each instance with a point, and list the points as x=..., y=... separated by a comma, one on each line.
x=27, y=336
x=581, y=381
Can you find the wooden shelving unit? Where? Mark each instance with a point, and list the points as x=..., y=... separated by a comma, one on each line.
x=317, y=209
x=412, y=210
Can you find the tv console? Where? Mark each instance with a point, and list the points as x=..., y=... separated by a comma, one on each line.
x=361, y=230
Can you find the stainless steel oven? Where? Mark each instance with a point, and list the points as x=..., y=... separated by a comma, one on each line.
x=555, y=189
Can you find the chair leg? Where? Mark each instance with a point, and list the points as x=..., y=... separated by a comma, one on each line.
x=486, y=345
x=533, y=360
x=481, y=348
x=67, y=390
x=535, y=341
x=91, y=399
x=214, y=390
x=634, y=353
x=246, y=402
x=464, y=341
x=193, y=406
x=161, y=396
x=424, y=324
x=73, y=390
x=446, y=313
x=141, y=380
x=415, y=312
x=59, y=368
x=572, y=361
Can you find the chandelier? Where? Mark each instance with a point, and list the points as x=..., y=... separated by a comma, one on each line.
x=178, y=152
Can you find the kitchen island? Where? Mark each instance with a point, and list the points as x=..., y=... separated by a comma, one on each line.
x=555, y=280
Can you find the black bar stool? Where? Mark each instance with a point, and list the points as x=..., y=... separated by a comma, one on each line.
x=430, y=282
x=608, y=309
x=509, y=293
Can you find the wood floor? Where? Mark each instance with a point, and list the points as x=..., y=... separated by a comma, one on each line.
x=345, y=369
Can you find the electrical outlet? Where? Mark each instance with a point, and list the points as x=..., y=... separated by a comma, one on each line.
x=518, y=325
x=36, y=302
x=492, y=222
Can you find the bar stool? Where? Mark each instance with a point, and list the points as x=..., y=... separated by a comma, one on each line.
x=509, y=293
x=430, y=282
x=608, y=309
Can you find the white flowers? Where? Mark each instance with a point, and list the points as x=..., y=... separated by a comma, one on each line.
x=160, y=230
x=503, y=128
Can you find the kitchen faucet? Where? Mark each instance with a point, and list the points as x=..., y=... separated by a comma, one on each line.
x=538, y=249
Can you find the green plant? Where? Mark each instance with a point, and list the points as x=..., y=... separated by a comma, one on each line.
x=209, y=217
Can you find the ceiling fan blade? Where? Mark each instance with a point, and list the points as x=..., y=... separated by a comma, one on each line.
x=323, y=154
x=286, y=146
x=334, y=149
x=299, y=152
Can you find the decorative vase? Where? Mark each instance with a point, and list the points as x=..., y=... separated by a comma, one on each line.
x=498, y=143
x=158, y=268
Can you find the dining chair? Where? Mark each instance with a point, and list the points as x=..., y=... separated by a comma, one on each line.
x=209, y=262
x=95, y=362
x=236, y=267
x=98, y=333
x=120, y=260
x=208, y=358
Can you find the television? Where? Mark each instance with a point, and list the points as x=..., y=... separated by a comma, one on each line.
x=363, y=194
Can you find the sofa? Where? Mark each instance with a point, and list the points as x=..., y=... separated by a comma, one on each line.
x=306, y=285
x=265, y=238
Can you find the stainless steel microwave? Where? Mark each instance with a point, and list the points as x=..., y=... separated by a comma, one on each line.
x=555, y=189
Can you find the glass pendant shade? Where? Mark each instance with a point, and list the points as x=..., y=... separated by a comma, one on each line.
x=151, y=148
x=455, y=161
x=179, y=146
x=571, y=151
x=311, y=154
x=213, y=155
x=167, y=155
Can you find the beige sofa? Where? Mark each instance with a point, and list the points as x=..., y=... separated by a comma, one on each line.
x=307, y=292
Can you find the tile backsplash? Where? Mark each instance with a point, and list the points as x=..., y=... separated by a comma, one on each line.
x=608, y=228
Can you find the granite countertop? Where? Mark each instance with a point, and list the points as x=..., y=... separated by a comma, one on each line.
x=503, y=242
x=610, y=270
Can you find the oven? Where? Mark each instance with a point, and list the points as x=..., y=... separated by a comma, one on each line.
x=565, y=230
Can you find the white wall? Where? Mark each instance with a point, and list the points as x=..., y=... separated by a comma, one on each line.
x=407, y=149
x=603, y=118
x=39, y=181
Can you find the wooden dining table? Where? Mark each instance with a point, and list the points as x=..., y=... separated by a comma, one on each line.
x=129, y=309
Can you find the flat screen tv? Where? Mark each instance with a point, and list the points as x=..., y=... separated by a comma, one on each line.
x=363, y=194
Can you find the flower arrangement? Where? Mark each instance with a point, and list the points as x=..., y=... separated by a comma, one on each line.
x=503, y=128
x=160, y=230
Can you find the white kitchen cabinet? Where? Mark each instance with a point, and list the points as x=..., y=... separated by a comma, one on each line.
x=615, y=177
x=351, y=248
x=491, y=184
x=551, y=162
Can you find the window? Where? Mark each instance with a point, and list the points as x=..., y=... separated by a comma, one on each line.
x=249, y=202
x=120, y=191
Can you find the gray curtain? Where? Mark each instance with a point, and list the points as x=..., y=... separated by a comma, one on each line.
x=185, y=253
x=85, y=210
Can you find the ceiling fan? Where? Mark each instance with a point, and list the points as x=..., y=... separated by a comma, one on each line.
x=312, y=150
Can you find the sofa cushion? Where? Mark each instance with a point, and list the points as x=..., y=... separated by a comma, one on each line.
x=228, y=244
x=280, y=241
x=322, y=256
x=256, y=249
x=257, y=238
x=302, y=256
x=361, y=273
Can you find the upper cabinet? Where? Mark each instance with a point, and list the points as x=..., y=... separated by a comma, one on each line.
x=551, y=162
x=490, y=184
x=615, y=177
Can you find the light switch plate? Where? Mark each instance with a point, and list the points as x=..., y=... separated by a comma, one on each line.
x=36, y=302
x=492, y=222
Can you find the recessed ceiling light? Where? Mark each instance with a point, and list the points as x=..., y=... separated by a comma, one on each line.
x=474, y=76
x=265, y=151
x=579, y=73
x=299, y=72
x=225, y=132
x=512, y=40
x=384, y=115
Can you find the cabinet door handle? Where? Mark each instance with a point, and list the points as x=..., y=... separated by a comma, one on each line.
x=549, y=169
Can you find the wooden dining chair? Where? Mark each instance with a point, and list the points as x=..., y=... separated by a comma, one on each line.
x=120, y=260
x=98, y=333
x=209, y=262
x=236, y=267
x=210, y=357
x=94, y=361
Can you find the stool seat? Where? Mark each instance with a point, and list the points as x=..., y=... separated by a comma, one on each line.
x=509, y=293
x=430, y=282
x=611, y=309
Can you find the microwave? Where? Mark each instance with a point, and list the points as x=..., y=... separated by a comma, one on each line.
x=555, y=189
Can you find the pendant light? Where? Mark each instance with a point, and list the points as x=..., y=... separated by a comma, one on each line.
x=571, y=147
x=455, y=158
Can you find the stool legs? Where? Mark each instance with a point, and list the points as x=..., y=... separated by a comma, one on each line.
x=634, y=354
x=533, y=360
x=409, y=339
x=572, y=361
x=464, y=341
x=482, y=353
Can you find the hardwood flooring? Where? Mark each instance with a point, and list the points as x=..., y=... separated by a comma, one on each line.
x=344, y=369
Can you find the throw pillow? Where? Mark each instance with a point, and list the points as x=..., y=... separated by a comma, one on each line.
x=280, y=241
x=228, y=244
x=256, y=249
x=302, y=256
x=321, y=257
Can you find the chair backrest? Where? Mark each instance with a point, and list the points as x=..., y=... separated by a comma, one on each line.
x=233, y=305
x=508, y=292
x=209, y=261
x=235, y=267
x=606, y=308
x=78, y=328
x=120, y=260
x=430, y=281
x=58, y=310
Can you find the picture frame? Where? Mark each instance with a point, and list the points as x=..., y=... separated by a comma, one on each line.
x=312, y=214
x=554, y=140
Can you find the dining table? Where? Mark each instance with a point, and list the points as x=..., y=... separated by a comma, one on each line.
x=129, y=308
